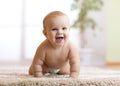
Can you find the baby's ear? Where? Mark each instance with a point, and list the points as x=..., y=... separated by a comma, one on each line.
x=44, y=32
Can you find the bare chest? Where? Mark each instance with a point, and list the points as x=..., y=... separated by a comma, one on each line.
x=57, y=57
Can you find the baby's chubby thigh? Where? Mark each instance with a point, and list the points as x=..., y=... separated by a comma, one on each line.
x=65, y=69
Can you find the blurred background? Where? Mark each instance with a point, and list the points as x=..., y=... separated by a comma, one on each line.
x=21, y=29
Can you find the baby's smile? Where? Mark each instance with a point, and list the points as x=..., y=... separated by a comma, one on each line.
x=59, y=39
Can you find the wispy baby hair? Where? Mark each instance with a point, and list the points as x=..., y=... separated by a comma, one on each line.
x=51, y=15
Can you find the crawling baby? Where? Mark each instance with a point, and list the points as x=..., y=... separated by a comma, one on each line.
x=56, y=54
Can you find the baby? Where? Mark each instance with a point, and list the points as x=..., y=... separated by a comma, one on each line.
x=57, y=54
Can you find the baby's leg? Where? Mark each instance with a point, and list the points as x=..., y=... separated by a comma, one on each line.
x=45, y=69
x=65, y=70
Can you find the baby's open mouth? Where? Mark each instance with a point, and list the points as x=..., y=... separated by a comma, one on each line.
x=59, y=39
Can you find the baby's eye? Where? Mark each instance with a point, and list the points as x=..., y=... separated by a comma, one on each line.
x=54, y=29
x=64, y=28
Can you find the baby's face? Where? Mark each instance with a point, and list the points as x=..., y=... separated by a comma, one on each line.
x=57, y=30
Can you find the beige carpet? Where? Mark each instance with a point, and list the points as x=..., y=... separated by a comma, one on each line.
x=89, y=76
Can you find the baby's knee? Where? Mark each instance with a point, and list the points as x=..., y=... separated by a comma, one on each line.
x=64, y=71
x=30, y=71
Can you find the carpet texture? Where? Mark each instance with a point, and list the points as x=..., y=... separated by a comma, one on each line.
x=89, y=76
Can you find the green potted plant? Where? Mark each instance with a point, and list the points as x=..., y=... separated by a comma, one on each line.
x=83, y=21
x=83, y=7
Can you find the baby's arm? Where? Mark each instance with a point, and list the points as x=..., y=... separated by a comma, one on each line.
x=74, y=61
x=36, y=67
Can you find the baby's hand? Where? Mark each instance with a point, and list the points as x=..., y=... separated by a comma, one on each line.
x=38, y=74
x=74, y=75
x=37, y=71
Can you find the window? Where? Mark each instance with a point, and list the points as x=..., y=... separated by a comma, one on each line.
x=10, y=29
x=21, y=26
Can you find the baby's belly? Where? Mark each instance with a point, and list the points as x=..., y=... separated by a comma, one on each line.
x=56, y=65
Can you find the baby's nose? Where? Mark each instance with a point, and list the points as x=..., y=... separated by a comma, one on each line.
x=60, y=31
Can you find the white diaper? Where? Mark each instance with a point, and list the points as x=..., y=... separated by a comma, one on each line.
x=53, y=71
